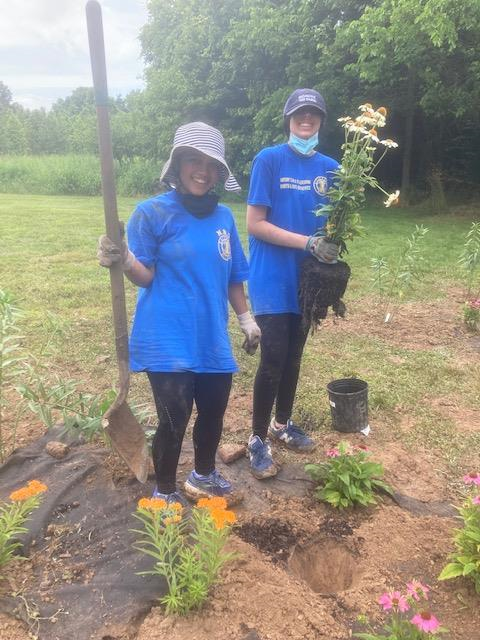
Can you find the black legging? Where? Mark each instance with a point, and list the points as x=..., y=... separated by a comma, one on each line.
x=174, y=394
x=281, y=348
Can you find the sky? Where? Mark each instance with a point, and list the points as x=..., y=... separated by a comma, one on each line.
x=44, y=48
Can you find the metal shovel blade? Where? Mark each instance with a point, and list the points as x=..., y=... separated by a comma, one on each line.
x=128, y=439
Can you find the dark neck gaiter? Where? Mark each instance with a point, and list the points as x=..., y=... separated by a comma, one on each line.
x=199, y=206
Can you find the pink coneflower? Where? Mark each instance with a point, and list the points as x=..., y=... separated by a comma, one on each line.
x=476, y=500
x=332, y=453
x=394, y=601
x=472, y=478
x=417, y=590
x=425, y=621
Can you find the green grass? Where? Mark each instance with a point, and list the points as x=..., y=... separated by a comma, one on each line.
x=48, y=261
x=74, y=175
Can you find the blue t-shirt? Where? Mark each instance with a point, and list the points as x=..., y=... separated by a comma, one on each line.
x=291, y=187
x=181, y=319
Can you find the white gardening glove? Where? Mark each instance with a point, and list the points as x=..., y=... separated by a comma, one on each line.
x=324, y=250
x=251, y=331
x=109, y=253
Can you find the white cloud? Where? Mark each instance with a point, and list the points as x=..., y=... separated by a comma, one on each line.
x=44, y=45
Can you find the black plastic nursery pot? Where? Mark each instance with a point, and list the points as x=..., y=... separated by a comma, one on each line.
x=321, y=286
x=348, y=399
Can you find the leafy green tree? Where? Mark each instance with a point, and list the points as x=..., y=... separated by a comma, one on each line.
x=5, y=96
x=419, y=56
x=13, y=133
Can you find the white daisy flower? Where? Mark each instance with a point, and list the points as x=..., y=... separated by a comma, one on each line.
x=389, y=143
x=392, y=198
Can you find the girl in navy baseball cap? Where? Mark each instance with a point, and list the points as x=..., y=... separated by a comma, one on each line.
x=288, y=183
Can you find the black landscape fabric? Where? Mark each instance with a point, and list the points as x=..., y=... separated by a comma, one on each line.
x=87, y=578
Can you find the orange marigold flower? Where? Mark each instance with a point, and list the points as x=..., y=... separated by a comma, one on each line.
x=154, y=504
x=382, y=110
x=157, y=504
x=33, y=488
x=221, y=517
x=215, y=502
x=172, y=519
x=175, y=506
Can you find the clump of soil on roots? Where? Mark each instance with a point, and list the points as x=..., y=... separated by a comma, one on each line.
x=321, y=286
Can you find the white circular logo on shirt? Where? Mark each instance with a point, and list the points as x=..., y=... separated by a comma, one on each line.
x=224, y=244
x=320, y=185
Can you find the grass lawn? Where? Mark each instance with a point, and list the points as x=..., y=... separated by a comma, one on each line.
x=48, y=261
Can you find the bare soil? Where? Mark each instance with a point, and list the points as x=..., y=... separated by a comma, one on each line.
x=305, y=570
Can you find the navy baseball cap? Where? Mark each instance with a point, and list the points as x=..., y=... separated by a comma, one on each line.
x=304, y=98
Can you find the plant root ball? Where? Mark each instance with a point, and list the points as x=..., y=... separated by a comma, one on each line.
x=321, y=286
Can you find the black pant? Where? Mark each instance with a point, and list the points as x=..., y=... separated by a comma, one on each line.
x=281, y=348
x=174, y=394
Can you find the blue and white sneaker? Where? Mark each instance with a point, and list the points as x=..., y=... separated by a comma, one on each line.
x=261, y=461
x=291, y=436
x=198, y=486
x=175, y=496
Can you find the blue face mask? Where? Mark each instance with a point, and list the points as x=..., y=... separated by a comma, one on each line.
x=304, y=147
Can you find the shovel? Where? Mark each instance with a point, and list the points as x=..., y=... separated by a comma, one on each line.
x=123, y=429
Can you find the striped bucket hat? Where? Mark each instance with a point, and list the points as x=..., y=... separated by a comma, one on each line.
x=204, y=138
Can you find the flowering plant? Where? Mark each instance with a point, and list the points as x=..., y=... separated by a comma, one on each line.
x=471, y=314
x=410, y=616
x=14, y=514
x=189, y=569
x=347, y=196
x=466, y=558
x=347, y=477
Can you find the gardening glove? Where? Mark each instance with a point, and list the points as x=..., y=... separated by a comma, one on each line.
x=251, y=330
x=322, y=249
x=109, y=253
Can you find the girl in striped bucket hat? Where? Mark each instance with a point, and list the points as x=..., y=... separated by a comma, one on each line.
x=187, y=260
x=207, y=140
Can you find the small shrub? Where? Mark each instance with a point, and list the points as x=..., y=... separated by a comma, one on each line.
x=190, y=568
x=466, y=558
x=9, y=354
x=471, y=314
x=347, y=477
x=470, y=257
x=394, y=282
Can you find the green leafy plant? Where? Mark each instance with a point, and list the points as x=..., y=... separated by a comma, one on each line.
x=410, y=617
x=347, y=196
x=470, y=257
x=61, y=401
x=188, y=560
x=471, y=314
x=10, y=355
x=13, y=515
x=395, y=282
x=348, y=477
x=466, y=558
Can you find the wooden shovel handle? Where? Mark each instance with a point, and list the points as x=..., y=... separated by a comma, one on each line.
x=99, y=73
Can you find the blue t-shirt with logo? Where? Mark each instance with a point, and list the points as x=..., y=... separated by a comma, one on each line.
x=292, y=187
x=180, y=321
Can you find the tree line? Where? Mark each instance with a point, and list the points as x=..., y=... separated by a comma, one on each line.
x=233, y=63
